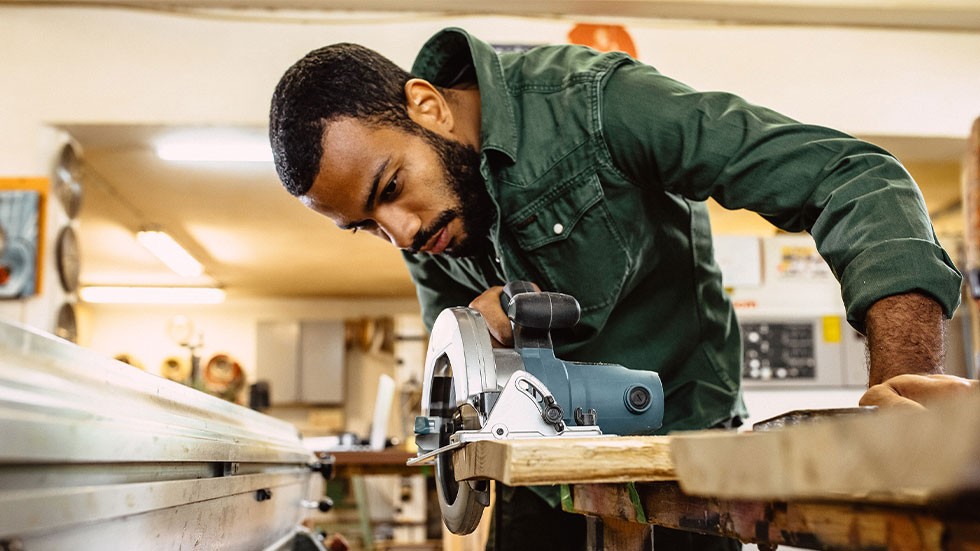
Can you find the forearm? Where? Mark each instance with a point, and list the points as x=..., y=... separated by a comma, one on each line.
x=906, y=334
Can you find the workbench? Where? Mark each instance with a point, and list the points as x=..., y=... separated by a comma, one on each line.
x=355, y=465
x=96, y=454
x=903, y=480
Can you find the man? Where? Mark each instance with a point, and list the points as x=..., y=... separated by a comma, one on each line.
x=586, y=173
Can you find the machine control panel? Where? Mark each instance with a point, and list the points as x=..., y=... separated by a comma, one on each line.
x=801, y=351
x=781, y=351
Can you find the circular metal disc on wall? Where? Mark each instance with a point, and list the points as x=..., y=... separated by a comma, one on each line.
x=67, y=180
x=222, y=372
x=67, y=328
x=175, y=369
x=129, y=359
x=68, y=259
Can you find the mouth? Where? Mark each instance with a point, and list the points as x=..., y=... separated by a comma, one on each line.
x=440, y=241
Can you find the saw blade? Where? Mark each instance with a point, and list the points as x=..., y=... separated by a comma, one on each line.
x=461, y=502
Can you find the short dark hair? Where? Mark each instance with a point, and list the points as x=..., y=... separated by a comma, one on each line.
x=340, y=80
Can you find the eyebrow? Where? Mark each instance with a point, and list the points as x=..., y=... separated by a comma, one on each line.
x=369, y=204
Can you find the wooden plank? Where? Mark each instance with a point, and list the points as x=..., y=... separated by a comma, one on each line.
x=893, y=456
x=566, y=460
x=369, y=463
x=814, y=525
x=613, y=534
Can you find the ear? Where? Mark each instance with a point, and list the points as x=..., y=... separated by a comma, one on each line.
x=428, y=107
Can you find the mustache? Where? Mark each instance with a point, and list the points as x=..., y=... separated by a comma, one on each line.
x=424, y=236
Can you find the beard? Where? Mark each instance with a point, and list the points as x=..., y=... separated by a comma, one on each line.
x=474, y=207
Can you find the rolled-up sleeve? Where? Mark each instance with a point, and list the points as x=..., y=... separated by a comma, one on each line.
x=862, y=207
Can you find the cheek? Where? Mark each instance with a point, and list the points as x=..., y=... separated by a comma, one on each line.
x=428, y=177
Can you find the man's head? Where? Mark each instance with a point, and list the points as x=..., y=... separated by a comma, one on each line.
x=359, y=140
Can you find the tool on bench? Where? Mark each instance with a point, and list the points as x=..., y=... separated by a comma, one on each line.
x=804, y=416
x=472, y=391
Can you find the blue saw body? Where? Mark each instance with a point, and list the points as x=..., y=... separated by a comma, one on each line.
x=606, y=388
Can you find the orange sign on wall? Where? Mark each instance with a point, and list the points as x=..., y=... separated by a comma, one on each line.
x=605, y=38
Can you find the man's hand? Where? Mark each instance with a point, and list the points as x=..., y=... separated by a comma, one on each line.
x=906, y=345
x=911, y=391
x=488, y=304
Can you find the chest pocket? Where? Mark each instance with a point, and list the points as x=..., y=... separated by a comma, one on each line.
x=568, y=236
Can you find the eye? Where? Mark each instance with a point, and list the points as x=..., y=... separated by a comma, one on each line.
x=366, y=225
x=389, y=191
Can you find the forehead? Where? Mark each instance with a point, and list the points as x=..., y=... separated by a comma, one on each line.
x=352, y=153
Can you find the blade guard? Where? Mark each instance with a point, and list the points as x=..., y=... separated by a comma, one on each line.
x=459, y=348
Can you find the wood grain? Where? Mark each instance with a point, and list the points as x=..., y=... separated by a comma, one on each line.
x=892, y=456
x=815, y=525
x=567, y=460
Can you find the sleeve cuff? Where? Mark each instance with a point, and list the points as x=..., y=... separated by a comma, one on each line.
x=899, y=266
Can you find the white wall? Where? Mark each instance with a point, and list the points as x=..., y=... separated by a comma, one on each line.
x=105, y=65
x=228, y=328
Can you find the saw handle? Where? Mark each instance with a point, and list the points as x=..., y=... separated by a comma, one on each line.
x=534, y=313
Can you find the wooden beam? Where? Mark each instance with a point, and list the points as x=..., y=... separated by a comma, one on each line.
x=369, y=463
x=613, y=534
x=814, y=525
x=892, y=456
x=566, y=460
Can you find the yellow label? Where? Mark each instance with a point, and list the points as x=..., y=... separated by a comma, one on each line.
x=831, y=328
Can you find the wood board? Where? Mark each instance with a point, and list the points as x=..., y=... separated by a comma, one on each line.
x=808, y=524
x=888, y=456
x=567, y=460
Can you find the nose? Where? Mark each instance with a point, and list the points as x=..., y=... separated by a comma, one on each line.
x=398, y=226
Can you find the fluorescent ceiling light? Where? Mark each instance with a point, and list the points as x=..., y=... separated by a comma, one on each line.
x=170, y=253
x=152, y=295
x=215, y=146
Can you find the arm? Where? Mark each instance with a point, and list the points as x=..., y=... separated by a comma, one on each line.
x=439, y=286
x=860, y=205
x=906, y=345
x=906, y=335
x=863, y=209
x=435, y=287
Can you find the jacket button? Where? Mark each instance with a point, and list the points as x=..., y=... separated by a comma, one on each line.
x=558, y=229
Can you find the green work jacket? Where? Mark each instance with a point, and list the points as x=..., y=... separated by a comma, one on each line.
x=599, y=167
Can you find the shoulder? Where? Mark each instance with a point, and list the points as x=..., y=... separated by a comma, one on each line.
x=558, y=66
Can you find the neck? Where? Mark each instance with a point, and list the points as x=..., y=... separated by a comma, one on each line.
x=466, y=111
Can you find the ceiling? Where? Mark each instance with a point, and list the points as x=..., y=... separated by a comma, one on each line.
x=910, y=14
x=253, y=238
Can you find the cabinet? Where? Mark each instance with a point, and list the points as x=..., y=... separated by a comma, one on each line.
x=303, y=361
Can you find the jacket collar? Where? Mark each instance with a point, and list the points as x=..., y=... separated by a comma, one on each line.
x=447, y=55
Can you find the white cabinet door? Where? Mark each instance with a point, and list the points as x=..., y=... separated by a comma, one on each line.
x=276, y=358
x=321, y=366
x=302, y=361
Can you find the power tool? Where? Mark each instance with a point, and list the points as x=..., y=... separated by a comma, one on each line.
x=473, y=391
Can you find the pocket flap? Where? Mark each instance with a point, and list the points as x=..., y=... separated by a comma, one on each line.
x=553, y=216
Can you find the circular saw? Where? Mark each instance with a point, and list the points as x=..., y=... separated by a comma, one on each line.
x=472, y=391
